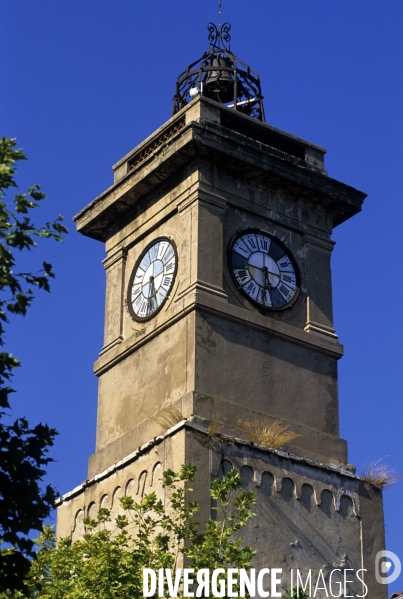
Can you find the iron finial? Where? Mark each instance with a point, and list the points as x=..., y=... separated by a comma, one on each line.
x=219, y=34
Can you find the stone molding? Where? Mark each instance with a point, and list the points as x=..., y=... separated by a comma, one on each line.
x=210, y=200
x=200, y=300
x=115, y=269
x=225, y=439
x=115, y=258
x=316, y=327
x=203, y=286
x=319, y=243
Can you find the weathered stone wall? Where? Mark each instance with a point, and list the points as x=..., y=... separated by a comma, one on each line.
x=308, y=516
x=209, y=339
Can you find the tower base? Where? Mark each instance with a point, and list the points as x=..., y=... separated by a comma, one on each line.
x=310, y=517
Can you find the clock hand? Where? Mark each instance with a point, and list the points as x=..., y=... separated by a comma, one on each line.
x=265, y=268
x=266, y=273
x=269, y=272
x=152, y=291
x=266, y=281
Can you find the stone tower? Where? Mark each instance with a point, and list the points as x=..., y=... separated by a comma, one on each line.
x=219, y=305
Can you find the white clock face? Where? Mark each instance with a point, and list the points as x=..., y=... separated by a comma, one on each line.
x=264, y=269
x=152, y=278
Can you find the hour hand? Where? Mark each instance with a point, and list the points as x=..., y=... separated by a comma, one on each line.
x=266, y=280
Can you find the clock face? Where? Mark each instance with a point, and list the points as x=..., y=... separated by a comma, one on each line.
x=263, y=269
x=152, y=279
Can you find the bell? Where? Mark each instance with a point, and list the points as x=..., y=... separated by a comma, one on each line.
x=219, y=85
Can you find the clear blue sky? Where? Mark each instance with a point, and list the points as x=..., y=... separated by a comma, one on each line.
x=84, y=82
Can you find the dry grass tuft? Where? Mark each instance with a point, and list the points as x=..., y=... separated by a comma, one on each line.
x=274, y=435
x=214, y=434
x=379, y=474
x=213, y=428
x=168, y=417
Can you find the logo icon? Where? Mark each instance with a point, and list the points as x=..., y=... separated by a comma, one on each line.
x=383, y=567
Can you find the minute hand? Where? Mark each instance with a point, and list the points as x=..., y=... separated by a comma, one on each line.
x=152, y=292
x=265, y=278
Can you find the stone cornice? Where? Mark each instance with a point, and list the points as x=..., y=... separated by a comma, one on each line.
x=203, y=430
x=210, y=140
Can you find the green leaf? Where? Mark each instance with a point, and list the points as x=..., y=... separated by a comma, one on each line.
x=108, y=564
x=24, y=503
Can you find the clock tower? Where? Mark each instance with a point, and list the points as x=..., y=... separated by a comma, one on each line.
x=218, y=322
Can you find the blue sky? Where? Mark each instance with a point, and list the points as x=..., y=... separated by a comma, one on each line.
x=84, y=82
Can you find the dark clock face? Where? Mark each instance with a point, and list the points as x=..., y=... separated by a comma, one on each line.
x=152, y=279
x=263, y=269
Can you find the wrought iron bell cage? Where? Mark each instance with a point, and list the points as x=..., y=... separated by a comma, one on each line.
x=221, y=76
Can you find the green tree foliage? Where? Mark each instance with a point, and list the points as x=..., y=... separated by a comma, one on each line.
x=108, y=562
x=23, y=450
x=295, y=592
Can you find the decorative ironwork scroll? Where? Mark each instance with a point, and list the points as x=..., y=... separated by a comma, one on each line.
x=216, y=34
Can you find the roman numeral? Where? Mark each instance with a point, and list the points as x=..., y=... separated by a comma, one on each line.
x=154, y=252
x=135, y=293
x=242, y=249
x=285, y=263
x=263, y=243
x=145, y=263
x=250, y=242
x=242, y=275
x=289, y=279
x=170, y=266
x=161, y=249
x=260, y=297
x=168, y=254
x=252, y=289
x=284, y=290
x=161, y=295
